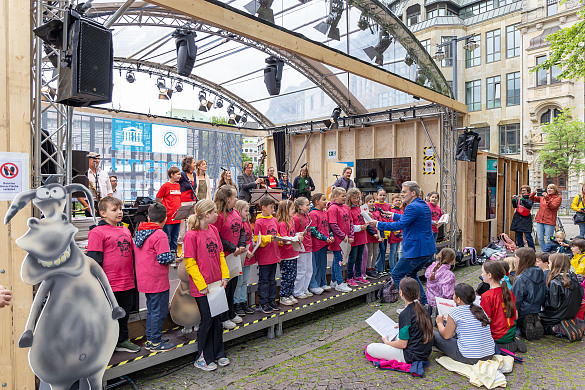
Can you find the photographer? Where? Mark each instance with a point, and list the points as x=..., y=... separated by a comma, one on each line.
x=522, y=219
x=546, y=217
x=579, y=206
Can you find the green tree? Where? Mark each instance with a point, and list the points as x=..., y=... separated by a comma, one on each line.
x=220, y=120
x=564, y=150
x=245, y=158
x=568, y=50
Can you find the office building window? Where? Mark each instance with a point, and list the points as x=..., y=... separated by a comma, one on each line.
x=427, y=45
x=546, y=116
x=493, y=92
x=512, y=41
x=448, y=61
x=554, y=74
x=413, y=15
x=510, y=138
x=513, y=89
x=484, y=133
x=552, y=7
x=541, y=74
x=473, y=95
x=492, y=46
x=473, y=58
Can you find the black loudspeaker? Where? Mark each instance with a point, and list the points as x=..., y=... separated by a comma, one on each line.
x=89, y=77
x=186, y=51
x=273, y=75
x=467, y=145
x=80, y=163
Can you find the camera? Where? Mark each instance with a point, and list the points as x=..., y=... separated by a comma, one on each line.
x=539, y=191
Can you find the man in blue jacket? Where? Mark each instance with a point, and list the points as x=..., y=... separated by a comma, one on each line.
x=418, y=244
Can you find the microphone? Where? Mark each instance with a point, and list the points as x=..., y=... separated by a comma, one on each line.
x=304, y=165
x=224, y=169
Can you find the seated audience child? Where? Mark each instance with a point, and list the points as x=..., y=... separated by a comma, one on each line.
x=564, y=294
x=542, y=262
x=415, y=336
x=499, y=304
x=507, y=276
x=558, y=244
x=529, y=289
x=473, y=340
x=152, y=257
x=578, y=260
x=440, y=278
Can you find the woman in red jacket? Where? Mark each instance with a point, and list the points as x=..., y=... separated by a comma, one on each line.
x=546, y=217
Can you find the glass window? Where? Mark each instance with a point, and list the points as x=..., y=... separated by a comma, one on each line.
x=413, y=15
x=552, y=7
x=448, y=49
x=473, y=58
x=427, y=45
x=513, y=89
x=554, y=74
x=541, y=74
x=512, y=41
x=510, y=138
x=484, y=133
x=473, y=95
x=492, y=46
x=493, y=89
x=546, y=116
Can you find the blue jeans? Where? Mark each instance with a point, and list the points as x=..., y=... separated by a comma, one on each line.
x=319, y=277
x=393, y=255
x=157, y=305
x=241, y=294
x=544, y=233
x=410, y=268
x=336, y=275
x=355, y=260
x=172, y=231
x=381, y=260
x=582, y=229
x=520, y=241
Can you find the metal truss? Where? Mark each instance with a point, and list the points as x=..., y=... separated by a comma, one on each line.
x=449, y=174
x=160, y=17
x=157, y=69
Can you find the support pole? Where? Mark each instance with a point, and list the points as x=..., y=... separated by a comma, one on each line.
x=118, y=13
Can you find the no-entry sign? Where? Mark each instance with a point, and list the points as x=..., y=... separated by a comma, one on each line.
x=14, y=174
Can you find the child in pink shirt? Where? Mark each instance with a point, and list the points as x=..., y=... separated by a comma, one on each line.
x=302, y=222
x=241, y=294
x=342, y=227
x=360, y=237
x=321, y=235
x=436, y=212
x=169, y=195
x=288, y=256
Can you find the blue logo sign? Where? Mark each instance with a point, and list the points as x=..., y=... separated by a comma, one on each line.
x=131, y=135
x=170, y=138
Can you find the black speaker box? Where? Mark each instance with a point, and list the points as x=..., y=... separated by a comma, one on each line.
x=186, y=52
x=273, y=75
x=89, y=77
x=80, y=163
x=467, y=145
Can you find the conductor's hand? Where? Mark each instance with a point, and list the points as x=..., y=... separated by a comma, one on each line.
x=373, y=224
x=259, y=180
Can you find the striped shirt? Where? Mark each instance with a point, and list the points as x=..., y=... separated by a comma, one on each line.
x=473, y=340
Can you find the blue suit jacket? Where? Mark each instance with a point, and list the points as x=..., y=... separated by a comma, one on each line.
x=415, y=223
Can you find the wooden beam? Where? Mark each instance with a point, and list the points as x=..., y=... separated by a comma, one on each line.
x=240, y=23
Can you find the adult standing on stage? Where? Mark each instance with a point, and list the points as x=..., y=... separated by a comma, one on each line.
x=344, y=181
x=303, y=184
x=203, y=182
x=285, y=186
x=114, y=183
x=225, y=179
x=272, y=181
x=247, y=182
x=99, y=183
x=419, y=243
x=546, y=217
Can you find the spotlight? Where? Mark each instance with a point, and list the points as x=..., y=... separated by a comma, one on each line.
x=160, y=83
x=233, y=118
x=244, y=118
x=408, y=60
x=329, y=26
x=219, y=103
x=262, y=8
x=130, y=77
x=273, y=75
x=331, y=123
x=82, y=8
x=363, y=22
x=376, y=53
x=204, y=104
x=179, y=87
x=186, y=51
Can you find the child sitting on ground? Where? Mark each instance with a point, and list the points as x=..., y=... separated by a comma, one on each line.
x=578, y=260
x=558, y=244
x=542, y=262
x=440, y=278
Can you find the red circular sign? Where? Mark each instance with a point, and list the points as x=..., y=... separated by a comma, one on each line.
x=9, y=170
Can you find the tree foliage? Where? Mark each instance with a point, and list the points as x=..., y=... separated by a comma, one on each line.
x=245, y=158
x=568, y=50
x=564, y=150
x=220, y=120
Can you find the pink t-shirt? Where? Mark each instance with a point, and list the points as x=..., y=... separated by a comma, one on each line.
x=115, y=242
x=339, y=214
x=151, y=276
x=205, y=247
x=249, y=242
x=286, y=251
x=229, y=226
x=319, y=220
x=385, y=207
x=171, y=199
x=267, y=227
x=301, y=222
x=359, y=238
x=393, y=239
x=436, y=213
x=372, y=239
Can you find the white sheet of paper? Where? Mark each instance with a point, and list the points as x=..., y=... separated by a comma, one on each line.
x=216, y=299
x=365, y=212
x=444, y=219
x=257, y=244
x=345, y=248
x=444, y=306
x=477, y=300
x=234, y=264
x=383, y=324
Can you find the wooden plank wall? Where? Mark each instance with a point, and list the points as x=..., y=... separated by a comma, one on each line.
x=15, y=114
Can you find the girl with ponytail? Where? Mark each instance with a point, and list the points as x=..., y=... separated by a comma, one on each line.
x=440, y=278
x=499, y=303
x=415, y=337
x=473, y=340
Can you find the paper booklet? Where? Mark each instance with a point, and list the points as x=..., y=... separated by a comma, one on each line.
x=216, y=299
x=444, y=219
x=365, y=212
x=234, y=264
x=444, y=306
x=257, y=243
x=297, y=244
x=345, y=248
x=383, y=324
x=185, y=211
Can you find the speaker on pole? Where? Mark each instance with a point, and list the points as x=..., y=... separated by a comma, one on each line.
x=467, y=145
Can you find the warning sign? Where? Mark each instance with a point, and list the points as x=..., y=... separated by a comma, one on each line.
x=429, y=161
x=14, y=174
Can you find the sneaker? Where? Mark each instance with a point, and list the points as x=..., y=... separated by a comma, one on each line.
x=163, y=346
x=331, y=285
x=520, y=345
x=570, y=329
x=326, y=287
x=529, y=331
x=318, y=290
x=362, y=280
x=127, y=346
x=371, y=273
x=343, y=287
x=293, y=299
x=239, y=309
x=228, y=324
x=286, y=301
x=309, y=294
x=266, y=309
x=364, y=276
x=200, y=363
x=352, y=282
x=274, y=306
x=247, y=308
x=302, y=296
x=237, y=319
x=147, y=345
x=538, y=328
x=222, y=362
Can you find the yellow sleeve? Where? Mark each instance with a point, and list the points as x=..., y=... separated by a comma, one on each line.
x=578, y=264
x=225, y=272
x=193, y=271
x=575, y=204
x=265, y=240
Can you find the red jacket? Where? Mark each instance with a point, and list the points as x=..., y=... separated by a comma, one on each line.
x=549, y=205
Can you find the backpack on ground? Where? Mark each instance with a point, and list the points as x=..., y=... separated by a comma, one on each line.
x=389, y=292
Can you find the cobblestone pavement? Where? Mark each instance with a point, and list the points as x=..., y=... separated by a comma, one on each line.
x=325, y=351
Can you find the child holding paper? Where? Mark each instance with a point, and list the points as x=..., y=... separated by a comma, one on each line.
x=302, y=222
x=373, y=240
x=440, y=278
x=342, y=228
x=436, y=212
x=382, y=207
x=415, y=335
x=354, y=264
x=205, y=264
x=233, y=239
x=288, y=256
x=321, y=235
x=395, y=238
x=241, y=295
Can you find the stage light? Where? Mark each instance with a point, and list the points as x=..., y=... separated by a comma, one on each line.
x=233, y=118
x=186, y=51
x=204, y=104
x=332, y=122
x=160, y=83
x=262, y=8
x=273, y=75
x=244, y=118
x=363, y=22
x=130, y=77
x=408, y=60
x=82, y=8
x=219, y=103
x=439, y=54
x=329, y=26
x=179, y=87
x=376, y=53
